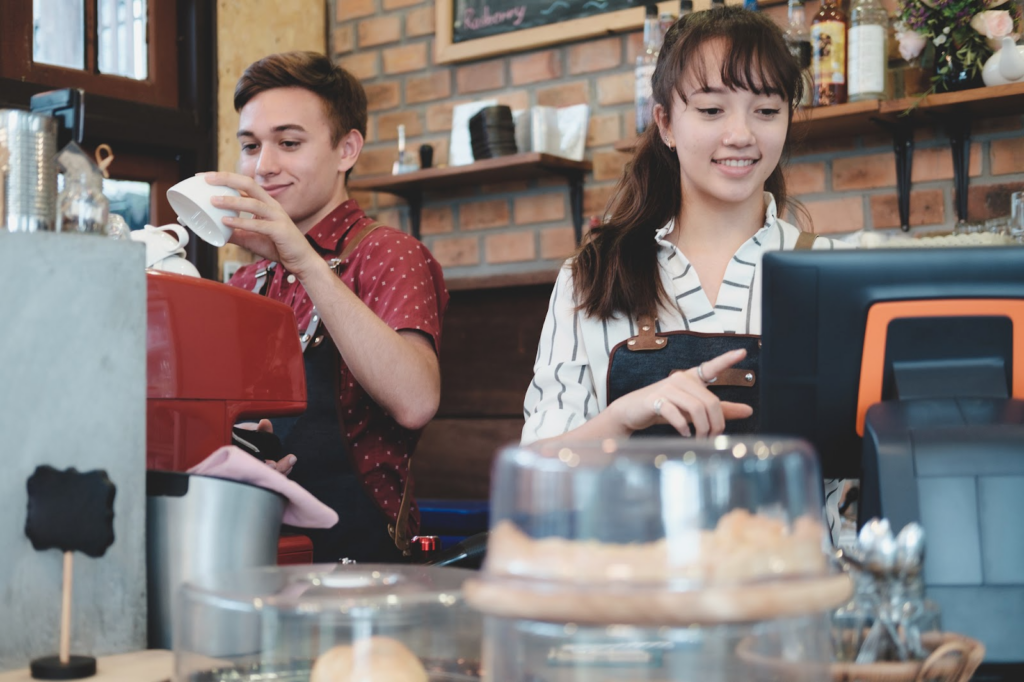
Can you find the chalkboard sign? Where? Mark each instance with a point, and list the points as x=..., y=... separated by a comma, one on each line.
x=475, y=19
x=471, y=29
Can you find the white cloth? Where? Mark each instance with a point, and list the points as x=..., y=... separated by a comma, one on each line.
x=569, y=385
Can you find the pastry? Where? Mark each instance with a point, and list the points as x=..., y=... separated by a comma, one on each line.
x=372, y=659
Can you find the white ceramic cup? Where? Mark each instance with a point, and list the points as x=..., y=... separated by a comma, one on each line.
x=161, y=241
x=190, y=199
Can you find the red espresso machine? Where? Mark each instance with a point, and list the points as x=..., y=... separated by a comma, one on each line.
x=216, y=356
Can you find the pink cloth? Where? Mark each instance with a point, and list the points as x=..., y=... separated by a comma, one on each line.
x=303, y=510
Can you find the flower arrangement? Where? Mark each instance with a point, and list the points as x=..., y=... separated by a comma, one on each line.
x=955, y=37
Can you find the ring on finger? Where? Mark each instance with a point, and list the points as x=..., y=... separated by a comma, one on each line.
x=700, y=374
x=657, y=406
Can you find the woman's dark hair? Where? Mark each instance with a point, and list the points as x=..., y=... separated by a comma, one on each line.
x=616, y=268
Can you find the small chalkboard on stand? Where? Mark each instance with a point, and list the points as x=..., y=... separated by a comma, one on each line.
x=72, y=512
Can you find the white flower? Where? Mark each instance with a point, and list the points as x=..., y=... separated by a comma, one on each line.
x=911, y=44
x=993, y=23
x=939, y=39
x=946, y=30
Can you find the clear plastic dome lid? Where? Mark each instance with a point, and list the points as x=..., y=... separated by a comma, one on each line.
x=328, y=622
x=657, y=531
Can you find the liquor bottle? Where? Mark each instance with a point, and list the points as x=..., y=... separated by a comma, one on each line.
x=798, y=38
x=665, y=21
x=869, y=26
x=715, y=4
x=685, y=7
x=645, y=63
x=828, y=54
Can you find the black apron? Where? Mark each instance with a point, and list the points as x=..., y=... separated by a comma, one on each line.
x=324, y=464
x=324, y=467
x=649, y=357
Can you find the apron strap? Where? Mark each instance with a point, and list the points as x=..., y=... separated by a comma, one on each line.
x=646, y=339
x=352, y=244
x=805, y=241
x=400, y=530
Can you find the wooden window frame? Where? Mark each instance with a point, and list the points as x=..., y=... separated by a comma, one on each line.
x=159, y=88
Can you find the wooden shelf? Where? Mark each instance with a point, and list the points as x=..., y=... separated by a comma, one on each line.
x=514, y=279
x=841, y=120
x=501, y=169
x=998, y=100
x=526, y=166
x=858, y=118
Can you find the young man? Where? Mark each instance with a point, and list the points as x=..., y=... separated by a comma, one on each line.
x=368, y=300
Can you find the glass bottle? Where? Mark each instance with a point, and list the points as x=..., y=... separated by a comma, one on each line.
x=82, y=207
x=685, y=7
x=851, y=621
x=798, y=38
x=869, y=28
x=828, y=54
x=665, y=21
x=645, y=63
x=715, y=4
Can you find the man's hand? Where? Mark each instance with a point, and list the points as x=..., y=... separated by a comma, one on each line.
x=286, y=463
x=269, y=233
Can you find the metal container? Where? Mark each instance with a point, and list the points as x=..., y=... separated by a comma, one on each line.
x=28, y=172
x=198, y=527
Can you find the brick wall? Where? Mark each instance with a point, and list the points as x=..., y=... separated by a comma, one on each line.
x=845, y=184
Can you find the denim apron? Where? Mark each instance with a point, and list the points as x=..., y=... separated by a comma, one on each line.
x=650, y=356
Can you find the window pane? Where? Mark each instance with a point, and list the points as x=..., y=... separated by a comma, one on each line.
x=58, y=33
x=129, y=199
x=121, y=28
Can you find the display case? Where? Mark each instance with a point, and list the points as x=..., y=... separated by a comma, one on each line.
x=653, y=559
x=329, y=623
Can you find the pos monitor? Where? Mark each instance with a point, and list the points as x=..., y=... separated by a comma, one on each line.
x=905, y=369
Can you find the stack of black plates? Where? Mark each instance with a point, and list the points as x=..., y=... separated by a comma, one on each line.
x=492, y=132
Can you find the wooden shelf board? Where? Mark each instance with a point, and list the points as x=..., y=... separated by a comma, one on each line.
x=502, y=169
x=515, y=279
x=841, y=120
x=997, y=100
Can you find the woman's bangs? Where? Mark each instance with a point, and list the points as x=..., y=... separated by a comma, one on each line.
x=746, y=65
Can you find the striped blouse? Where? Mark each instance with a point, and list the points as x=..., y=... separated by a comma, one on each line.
x=570, y=371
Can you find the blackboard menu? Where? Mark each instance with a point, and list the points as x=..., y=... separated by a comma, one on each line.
x=481, y=18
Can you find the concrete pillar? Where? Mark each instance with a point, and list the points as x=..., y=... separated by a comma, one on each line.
x=72, y=394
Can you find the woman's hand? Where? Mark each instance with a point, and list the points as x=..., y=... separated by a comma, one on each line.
x=270, y=232
x=683, y=400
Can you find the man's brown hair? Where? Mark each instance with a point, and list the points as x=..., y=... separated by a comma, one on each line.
x=342, y=94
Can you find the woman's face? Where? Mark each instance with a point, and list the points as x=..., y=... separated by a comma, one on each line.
x=728, y=141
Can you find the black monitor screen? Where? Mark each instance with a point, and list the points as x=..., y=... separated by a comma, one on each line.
x=815, y=316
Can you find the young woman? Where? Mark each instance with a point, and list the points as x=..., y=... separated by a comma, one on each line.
x=664, y=298
x=681, y=248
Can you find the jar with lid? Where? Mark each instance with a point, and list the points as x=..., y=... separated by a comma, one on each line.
x=657, y=559
x=321, y=623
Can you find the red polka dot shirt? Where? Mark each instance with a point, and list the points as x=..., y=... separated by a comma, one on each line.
x=399, y=280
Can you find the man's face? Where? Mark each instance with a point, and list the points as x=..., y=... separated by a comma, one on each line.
x=286, y=147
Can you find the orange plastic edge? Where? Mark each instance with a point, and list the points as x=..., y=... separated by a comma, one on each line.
x=872, y=364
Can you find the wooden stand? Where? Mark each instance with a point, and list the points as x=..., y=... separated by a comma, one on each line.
x=64, y=666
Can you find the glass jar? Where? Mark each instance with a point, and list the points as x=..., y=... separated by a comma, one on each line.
x=313, y=623
x=657, y=559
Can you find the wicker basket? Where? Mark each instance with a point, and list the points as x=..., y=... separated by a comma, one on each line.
x=953, y=658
